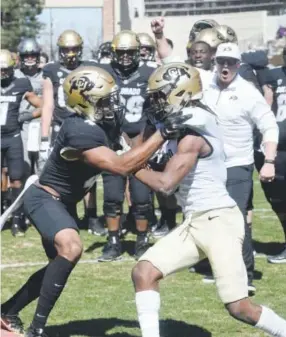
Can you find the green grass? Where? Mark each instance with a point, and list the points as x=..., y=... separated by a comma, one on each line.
x=99, y=299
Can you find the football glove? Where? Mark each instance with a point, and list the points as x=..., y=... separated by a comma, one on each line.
x=173, y=126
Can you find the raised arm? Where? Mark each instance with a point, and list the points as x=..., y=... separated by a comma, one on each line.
x=163, y=48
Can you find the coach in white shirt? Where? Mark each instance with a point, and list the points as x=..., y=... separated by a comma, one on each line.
x=240, y=107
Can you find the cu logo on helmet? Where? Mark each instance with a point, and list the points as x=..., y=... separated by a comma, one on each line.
x=82, y=84
x=174, y=73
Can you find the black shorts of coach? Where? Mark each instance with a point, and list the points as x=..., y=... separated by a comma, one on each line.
x=12, y=156
x=49, y=215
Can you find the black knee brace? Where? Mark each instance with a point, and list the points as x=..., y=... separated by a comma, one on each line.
x=141, y=211
x=112, y=209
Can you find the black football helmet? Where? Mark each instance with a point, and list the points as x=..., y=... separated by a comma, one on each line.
x=29, y=53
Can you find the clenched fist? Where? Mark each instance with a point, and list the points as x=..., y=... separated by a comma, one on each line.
x=157, y=26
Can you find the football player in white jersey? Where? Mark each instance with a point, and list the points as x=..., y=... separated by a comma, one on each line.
x=214, y=225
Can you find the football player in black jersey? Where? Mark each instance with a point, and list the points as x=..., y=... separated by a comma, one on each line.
x=275, y=191
x=70, y=45
x=13, y=91
x=131, y=76
x=82, y=150
x=29, y=55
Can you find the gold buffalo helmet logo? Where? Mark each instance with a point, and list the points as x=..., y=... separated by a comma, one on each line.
x=83, y=84
x=174, y=73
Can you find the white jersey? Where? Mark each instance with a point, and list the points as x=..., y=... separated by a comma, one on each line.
x=239, y=108
x=31, y=134
x=204, y=187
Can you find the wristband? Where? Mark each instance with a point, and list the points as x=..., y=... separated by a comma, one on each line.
x=158, y=35
x=269, y=161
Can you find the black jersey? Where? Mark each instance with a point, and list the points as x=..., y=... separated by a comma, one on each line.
x=57, y=73
x=73, y=179
x=133, y=94
x=11, y=98
x=276, y=78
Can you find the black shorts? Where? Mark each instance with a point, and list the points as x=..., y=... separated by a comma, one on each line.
x=12, y=155
x=275, y=191
x=48, y=214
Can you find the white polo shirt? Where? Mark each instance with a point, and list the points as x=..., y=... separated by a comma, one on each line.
x=239, y=108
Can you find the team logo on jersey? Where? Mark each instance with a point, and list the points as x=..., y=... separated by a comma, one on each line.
x=173, y=73
x=82, y=84
x=279, y=82
x=60, y=74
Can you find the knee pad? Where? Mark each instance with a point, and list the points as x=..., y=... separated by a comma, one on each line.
x=112, y=209
x=142, y=211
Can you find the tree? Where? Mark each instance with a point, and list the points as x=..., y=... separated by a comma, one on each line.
x=19, y=19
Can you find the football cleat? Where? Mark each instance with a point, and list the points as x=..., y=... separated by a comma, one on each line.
x=111, y=251
x=141, y=246
x=12, y=323
x=33, y=332
x=161, y=230
x=280, y=258
x=96, y=227
x=16, y=228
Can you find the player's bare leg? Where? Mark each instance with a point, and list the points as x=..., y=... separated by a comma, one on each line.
x=146, y=282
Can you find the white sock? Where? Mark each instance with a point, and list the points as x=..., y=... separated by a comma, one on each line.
x=271, y=323
x=148, y=306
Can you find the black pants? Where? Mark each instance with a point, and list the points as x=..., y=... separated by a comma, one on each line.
x=114, y=189
x=239, y=186
x=275, y=191
x=12, y=154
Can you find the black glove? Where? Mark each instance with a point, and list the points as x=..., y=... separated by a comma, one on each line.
x=25, y=116
x=173, y=127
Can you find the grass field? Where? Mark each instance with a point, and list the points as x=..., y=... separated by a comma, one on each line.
x=99, y=299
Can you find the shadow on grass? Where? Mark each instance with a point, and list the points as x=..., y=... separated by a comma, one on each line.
x=268, y=248
x=100, y=328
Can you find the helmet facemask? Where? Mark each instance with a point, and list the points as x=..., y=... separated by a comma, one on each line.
x=109, y=114
x=160, y=104
x=70, y=56
x=147, y=53
x=126, y=59
x=6, y=76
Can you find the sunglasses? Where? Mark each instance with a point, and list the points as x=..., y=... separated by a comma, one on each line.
x=226, y=60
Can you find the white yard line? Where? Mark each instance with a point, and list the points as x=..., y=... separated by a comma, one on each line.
x=32, y=264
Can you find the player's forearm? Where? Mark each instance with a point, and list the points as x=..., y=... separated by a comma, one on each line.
x=163, y=48
x=157, y=181
x=270, y=149
x=47, y=113
x=134, y=159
